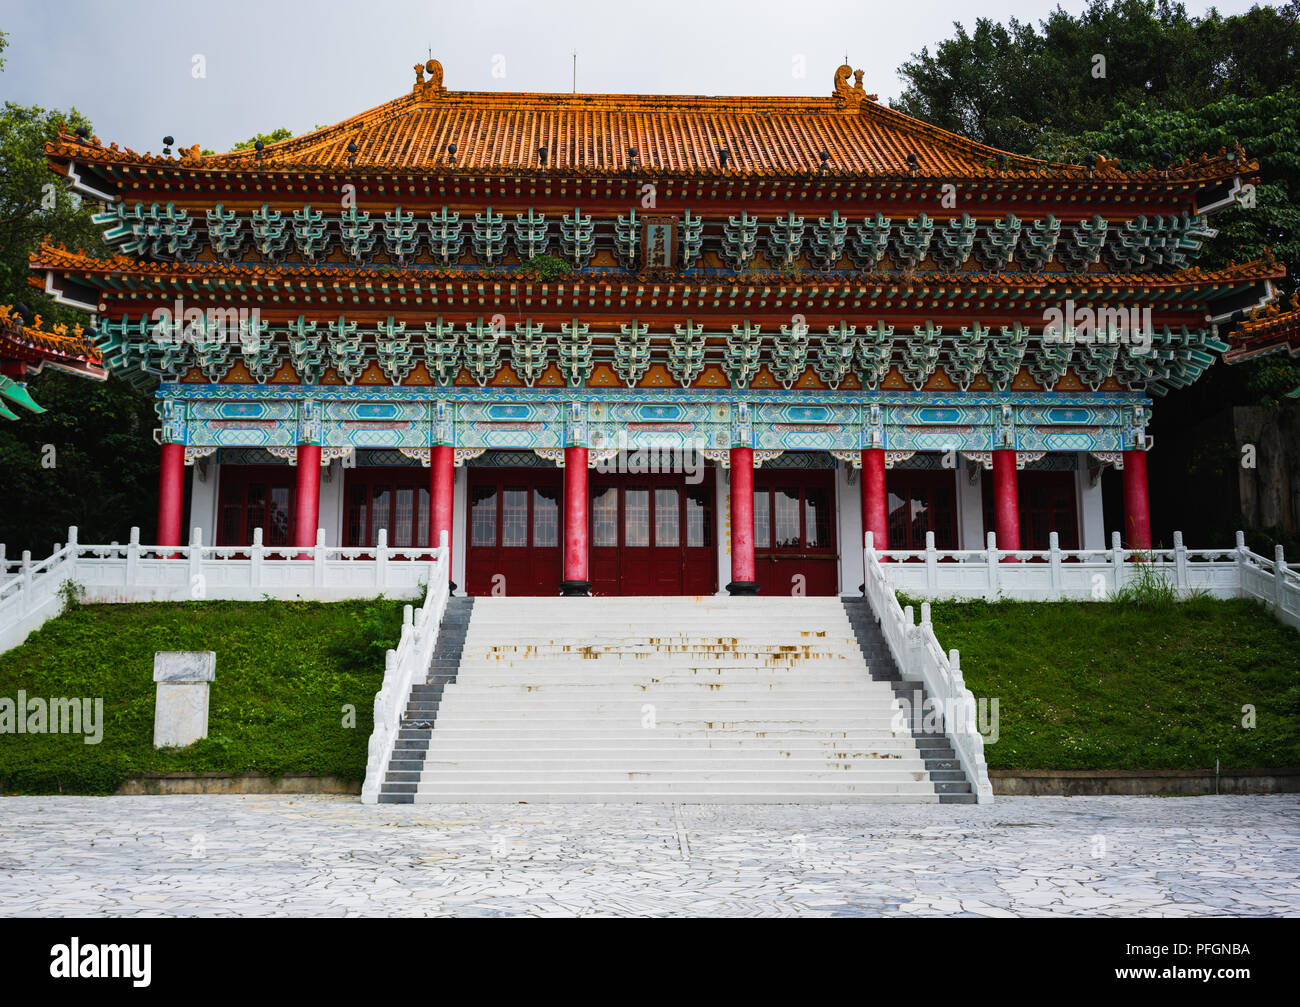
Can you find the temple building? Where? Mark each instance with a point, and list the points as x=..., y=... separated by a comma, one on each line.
x=649, y=344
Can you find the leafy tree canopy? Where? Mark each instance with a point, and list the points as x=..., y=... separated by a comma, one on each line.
x=1267, y=126
x=1006, y=84
x=275, y=135
x=89, y=459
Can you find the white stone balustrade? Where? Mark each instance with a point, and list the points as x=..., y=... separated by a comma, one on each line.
x=1056, y=574
x=916, y=651
x=403, y=667
x=30, y=592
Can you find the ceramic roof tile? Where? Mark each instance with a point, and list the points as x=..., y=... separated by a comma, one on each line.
x=681, y=134
x=58, y=258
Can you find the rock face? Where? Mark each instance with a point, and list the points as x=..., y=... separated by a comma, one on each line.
x=181, y=700
x=1270, y=488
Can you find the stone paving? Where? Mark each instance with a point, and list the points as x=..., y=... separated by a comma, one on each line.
x=331, y=856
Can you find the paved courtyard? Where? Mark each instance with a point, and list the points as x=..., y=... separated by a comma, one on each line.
x=330, y=856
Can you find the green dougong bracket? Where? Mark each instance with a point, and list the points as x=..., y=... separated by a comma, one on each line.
x=11, y=389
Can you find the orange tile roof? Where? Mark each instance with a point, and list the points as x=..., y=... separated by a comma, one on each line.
x=591, y=134
x=61, y=259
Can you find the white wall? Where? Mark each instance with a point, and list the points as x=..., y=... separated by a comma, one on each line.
x=722, y=519
x=330, y=516
x=1092, y=525
x=848, y=519
x=459, y=526
x=970, y=505
x=203, y=500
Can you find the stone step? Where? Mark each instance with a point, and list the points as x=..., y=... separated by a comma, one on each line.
x=598, y=754
x=615, y=760
x=627, y=684
x=722, y=699
x=619, y=796
x=764, y=700
x=698, y=787
x=437, y=768
x=514, y=733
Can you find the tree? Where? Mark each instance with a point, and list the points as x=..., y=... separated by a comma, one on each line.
x=96, y=436
x=272, y=137
x=1007, y=85
x=1267, y=126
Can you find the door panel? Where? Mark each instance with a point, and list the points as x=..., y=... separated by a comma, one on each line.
x=256, y=496
x=794, y=532
x=651, y=535
x=514, y=533
x=386, y=498
x=922, y=501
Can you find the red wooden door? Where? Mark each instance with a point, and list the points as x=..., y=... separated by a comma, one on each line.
x=794, y=532
x=1047, y=504
x=514, y=532
x=393, y=499
x=651, y=535
x=256, y=496
x=922, y=501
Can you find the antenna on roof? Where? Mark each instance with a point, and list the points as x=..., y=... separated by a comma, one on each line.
x=575, y=71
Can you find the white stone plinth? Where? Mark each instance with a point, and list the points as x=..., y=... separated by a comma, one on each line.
x=181, y=701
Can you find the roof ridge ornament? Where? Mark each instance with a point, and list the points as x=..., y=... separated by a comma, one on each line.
x=850, y=97
x=434, y=84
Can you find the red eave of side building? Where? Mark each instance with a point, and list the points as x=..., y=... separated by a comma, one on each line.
x=61, y=347
x=1272, y=328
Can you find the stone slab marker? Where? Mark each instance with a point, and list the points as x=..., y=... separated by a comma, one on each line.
x=180, y=715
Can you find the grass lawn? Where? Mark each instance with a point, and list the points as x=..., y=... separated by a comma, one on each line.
x=1080, y=686
x=1128, y=686
x=285, y=671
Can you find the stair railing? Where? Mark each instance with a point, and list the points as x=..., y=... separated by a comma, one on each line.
x=919, y=657
x=403, y=667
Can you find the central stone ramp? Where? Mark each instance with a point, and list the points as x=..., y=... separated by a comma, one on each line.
x=711, y=700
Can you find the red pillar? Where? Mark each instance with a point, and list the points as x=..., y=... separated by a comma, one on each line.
x=306, y=513
x=442, y=475
x=1006, y=501
x=1137, y=509
x=742, y=522
x=171, y=493
x=575, y=583
x=875, y=502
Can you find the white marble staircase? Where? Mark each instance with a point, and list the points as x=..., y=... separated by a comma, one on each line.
x=709, y=700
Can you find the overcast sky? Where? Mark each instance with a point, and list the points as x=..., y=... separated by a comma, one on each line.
x=129, y=65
